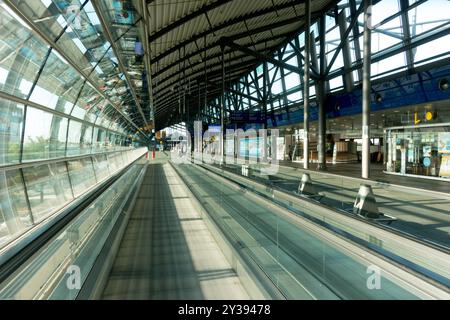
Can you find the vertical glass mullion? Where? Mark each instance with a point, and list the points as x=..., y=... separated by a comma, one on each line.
x=27, y=199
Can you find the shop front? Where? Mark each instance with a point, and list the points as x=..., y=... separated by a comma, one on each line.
x=421, y=151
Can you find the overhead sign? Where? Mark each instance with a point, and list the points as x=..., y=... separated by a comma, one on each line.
x=419, y=117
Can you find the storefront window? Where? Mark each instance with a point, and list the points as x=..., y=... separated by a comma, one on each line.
x=423, y=151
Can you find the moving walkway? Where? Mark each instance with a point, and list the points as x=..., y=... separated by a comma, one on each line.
x=181, y=231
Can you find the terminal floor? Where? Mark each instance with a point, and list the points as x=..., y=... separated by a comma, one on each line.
x=377, y=174
x=422, y=214
x=167, y=252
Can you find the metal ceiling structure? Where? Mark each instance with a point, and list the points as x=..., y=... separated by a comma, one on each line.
x=186, y=40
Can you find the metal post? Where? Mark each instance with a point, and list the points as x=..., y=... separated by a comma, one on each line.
x=222, y=105
x=366, y=91
x=322, y=159
x=306, y=69
x=265, y=97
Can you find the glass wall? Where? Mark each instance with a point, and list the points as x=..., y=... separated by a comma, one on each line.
x=11, y=123
x=35, y=193
x=60, y=111
x=421, y=27
x=421, y=151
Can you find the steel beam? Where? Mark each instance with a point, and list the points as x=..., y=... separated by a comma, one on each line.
x=348, y=76
x=262, y=57
x=179, y=22
x=234, y=21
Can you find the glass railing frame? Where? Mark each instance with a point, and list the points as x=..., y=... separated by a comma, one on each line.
x=260, y=188
x=17, y=243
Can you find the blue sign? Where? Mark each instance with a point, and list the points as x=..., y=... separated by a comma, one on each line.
x=426, y=162
x=251, y=147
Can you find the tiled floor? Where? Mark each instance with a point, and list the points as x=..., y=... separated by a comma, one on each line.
x=167, y=251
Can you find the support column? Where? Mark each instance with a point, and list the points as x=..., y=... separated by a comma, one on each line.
x=265, y=97
x=222, y=105
x=366, y=91
x=322, y=159
x=306, y=69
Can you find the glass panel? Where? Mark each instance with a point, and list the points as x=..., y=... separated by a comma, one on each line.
x=45, y=135
x=84, y=38
x=391, y=63
x=277, y=87
x=99, y=139
x=428, y=15
x=432, y=49
x=295, y=97
x=82, y=175
x=74, y=138
x=48, y=189
x=338, y=63
x=71, y=49
x=292, y=80
x=336, y=83
x=421, y=151
x=101, y=167
x=58, y=85
x=11, y=122
x=88, y=98
x=14, y=212
x=45, y=14
x=21, y=54
x=86, y=139
x=114, y=161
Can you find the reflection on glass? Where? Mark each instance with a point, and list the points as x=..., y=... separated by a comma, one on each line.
x=99, y=140
x=45, y=135
x=11, y=122
x=82, y=175
x=422, y=151
x=48, y=188
x=88, y=104
x=21, y=55
x=86, y=139
x=74, y=138
x=14, y=211
x=115, y=162
x=58, y=85
x=101, y=167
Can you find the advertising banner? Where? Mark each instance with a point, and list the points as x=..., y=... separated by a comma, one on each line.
x=444, y=142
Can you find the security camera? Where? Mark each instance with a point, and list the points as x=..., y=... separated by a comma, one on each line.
x=443, y=84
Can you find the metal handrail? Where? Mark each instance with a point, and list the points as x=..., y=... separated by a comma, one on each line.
x=28, y=164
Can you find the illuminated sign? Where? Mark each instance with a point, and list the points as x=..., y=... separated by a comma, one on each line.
x=428, y=116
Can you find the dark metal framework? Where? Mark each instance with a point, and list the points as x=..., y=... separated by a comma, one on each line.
x=331, y=59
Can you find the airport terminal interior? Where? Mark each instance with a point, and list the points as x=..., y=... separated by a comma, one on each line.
x=224, y=149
